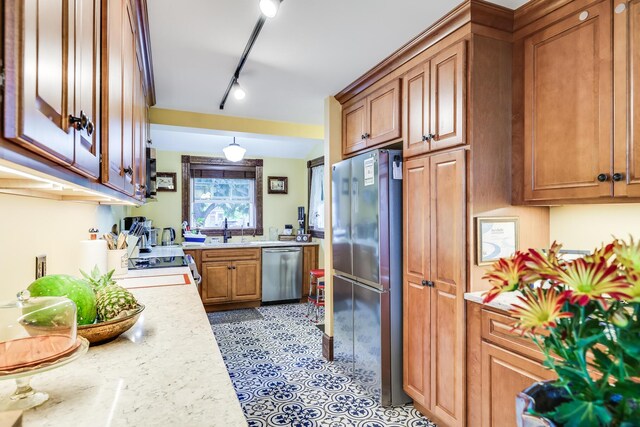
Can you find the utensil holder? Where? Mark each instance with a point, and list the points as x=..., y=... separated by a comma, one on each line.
x=118, y=260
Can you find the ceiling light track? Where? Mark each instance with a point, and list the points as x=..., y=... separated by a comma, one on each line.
x=236, y=75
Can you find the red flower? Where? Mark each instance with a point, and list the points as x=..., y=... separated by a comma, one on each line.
x=506, y=274
x=591, y=281
x=540, y=309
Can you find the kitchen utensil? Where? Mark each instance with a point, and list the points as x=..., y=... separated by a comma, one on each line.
x=103, y=332
x=168, y=236
x=122, y=241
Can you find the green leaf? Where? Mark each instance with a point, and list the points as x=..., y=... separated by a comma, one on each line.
x=602, y=360
x=579, y=413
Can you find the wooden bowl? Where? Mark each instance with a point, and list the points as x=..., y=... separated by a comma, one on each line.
x=103, y=332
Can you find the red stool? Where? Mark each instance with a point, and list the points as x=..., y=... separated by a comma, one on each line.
x=316, y=292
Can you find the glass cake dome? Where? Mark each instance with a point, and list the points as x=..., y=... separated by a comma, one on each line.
x=36, y=330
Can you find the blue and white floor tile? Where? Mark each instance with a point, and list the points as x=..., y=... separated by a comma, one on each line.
x=275, y=363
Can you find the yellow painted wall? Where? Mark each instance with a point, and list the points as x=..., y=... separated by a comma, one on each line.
x=278, y=209
x=585, y=227
x=31, y=227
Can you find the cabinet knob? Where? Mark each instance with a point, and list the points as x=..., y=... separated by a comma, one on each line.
x=424, y=283
x=79, y=123
x=363, y=137
x=128, y=171
x=430, y=284
x=430, y=137
x=90, y=128
x=366, y=135
x=603, y=177
x=617, y=177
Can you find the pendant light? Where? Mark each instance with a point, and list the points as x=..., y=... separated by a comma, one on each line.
x=234, y=152
x=269, y=8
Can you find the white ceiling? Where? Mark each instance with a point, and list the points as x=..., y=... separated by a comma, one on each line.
x=202, y=141
x=312, y=49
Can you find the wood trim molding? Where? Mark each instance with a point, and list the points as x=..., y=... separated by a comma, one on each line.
x=187, y=161
x=327, y=347
x=144, y=45
x=478, y=12
x=319, y=161
x=534, y=10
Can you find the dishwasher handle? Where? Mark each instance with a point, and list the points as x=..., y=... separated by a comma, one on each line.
x=278, y=251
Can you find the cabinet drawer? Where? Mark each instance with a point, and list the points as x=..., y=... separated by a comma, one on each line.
x=497, y=328
x=230, y=254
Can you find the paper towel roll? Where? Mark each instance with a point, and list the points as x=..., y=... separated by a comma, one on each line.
x=92, y=253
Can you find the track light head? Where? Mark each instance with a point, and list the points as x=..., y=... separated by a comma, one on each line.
x=269, y=8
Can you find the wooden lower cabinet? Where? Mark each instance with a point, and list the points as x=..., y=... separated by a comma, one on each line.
x=246, y=277
x=232, y=278
x=500, y=364
x=504, y=375
x=216, y=282
x=309, y=262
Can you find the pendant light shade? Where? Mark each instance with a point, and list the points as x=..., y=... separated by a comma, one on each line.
x=233, y=152
x=269, y=8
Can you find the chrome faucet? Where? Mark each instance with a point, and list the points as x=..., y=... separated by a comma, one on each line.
x=226, y=233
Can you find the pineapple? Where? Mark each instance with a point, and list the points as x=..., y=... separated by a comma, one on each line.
x=113, y=301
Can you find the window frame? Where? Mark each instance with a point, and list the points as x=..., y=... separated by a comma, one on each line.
x=310, y=165
x=220, y=163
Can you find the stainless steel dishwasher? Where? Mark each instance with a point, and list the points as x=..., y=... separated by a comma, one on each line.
x=281, y=274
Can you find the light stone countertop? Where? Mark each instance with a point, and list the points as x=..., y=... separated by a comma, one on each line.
x=252, y=244
x=165, y=371
x=501, y=302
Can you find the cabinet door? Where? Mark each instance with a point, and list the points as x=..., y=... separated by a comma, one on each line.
x=309, y=262
x=39, y=73
x=504, y=375
x=246, y=281
x=383, y=114
x=416, y=296
x=87, y=96
x=416, y=126
x=216, y=282
x=626, y=85
x=567, y=107
x=354, y=119
x=448, y=266
x=448, y=97
x=118, y=68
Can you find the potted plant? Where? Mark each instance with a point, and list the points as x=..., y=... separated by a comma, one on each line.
x=584, y=316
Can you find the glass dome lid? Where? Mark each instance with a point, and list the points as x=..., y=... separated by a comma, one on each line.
x=36, y=330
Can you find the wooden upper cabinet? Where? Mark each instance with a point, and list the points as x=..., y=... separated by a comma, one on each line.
x=383, y=114
x=448, y=93
x=568, y=107
x=373, y=119
x=448, y=266
x=52, y=51
x=417, y=296
x=119, y=66
x=416, y=106
x=354, y=119
x=626, y=83
x=87, y=99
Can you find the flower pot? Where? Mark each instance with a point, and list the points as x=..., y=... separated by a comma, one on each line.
x=539, y=397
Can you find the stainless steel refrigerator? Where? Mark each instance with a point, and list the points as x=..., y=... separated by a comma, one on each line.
x=367, y=281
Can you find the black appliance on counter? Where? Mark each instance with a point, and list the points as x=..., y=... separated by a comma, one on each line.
x=128, y=221
x=157, y=262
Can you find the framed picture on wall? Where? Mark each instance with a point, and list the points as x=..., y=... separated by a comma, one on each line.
x=166, y=181
x=277, y=184
x=496, y=238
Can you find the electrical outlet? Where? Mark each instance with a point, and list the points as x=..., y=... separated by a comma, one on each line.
x=41, y=266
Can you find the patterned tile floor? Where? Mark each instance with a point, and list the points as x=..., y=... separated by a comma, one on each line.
x=281, y=379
